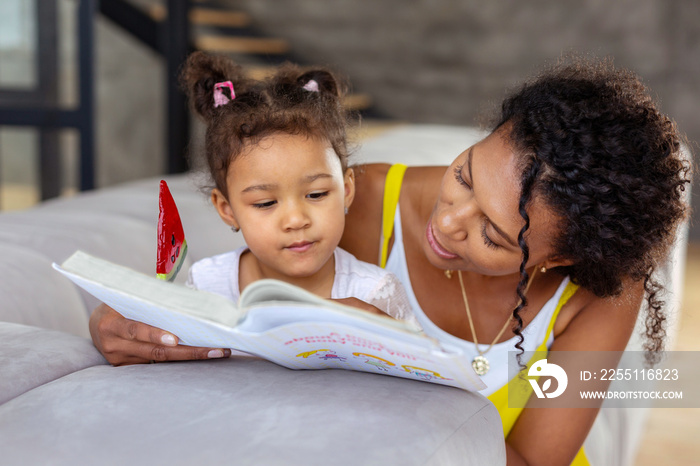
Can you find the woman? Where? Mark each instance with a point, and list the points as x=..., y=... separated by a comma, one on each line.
x=550, y=229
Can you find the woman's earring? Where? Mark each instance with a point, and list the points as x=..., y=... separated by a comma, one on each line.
x=235, y=229
x=543, y=269
x=346, y=210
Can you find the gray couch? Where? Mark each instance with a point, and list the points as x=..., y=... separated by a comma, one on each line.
x=61, y=403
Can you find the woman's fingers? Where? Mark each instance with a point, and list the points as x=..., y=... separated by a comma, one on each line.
x=159, y=353
x=122, y=341
x=138, y=331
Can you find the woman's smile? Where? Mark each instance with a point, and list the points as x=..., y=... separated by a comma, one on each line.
x=436, y=246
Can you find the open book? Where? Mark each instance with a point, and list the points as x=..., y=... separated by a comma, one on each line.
x=276, y=321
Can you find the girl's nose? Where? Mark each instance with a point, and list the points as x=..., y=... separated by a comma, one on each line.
x=295, y=217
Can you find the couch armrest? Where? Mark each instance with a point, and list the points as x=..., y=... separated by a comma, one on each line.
x=244, y=410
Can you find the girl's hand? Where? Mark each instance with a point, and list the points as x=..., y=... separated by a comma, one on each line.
x=358, y=303
x=122, y=341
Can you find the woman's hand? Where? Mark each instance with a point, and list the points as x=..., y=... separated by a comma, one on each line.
x=358, y=303
x=122, y=341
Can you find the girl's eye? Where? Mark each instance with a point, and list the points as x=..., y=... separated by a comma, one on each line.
x=264, y=205
x=318, y=195
x=458, y=177
x=487, y=240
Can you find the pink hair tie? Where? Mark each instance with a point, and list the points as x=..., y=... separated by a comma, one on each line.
x=311, y=86
x=219, y=96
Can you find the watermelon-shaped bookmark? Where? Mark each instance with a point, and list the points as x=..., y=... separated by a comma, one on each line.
x=172, y=247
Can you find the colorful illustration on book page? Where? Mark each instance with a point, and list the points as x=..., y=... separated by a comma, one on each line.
x=324, y=354
x=311, y=345
x=423, y=374
x=376, y=361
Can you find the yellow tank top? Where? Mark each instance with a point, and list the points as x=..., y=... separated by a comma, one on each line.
x=392, y=190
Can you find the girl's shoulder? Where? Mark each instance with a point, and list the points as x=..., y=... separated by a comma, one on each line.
x=217, y=274
x=218, y=261
x=347, y=265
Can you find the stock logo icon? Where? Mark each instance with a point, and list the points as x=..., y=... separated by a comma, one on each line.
x=550, y=370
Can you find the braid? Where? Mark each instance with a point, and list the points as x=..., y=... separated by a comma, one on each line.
x=528, y=181
x=655, y=320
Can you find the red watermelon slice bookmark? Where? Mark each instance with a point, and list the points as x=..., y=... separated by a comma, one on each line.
x=172, y=247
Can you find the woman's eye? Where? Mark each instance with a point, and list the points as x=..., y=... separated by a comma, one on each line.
x=318, y=195
x=458, y=177
x=264, y=205
x=487, y=240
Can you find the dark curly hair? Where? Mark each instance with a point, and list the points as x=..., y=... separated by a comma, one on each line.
x=280, y=103
x=596, y=149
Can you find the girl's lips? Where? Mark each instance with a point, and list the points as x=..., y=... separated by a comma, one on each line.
x=301, y=246
x=435, y=246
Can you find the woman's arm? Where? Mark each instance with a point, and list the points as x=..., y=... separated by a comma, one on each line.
x=122, y=341
x=553, y=436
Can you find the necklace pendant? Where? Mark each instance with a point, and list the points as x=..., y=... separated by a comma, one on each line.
x=481, y=365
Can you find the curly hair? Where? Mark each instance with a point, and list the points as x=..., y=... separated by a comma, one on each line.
x=284, y=103
x=596, y=149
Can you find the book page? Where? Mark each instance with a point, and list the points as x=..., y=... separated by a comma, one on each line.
x=268, y=315
x=297, y=335
x=100, y=273
x=322, y=345
x=268, y=290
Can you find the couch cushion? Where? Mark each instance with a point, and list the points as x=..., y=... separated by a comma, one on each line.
x=57, y=235
x=32, y=293
x=247, y=411
x=206, y=234
x=31, y=357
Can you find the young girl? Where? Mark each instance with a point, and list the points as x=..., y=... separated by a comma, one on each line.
x=277, y=153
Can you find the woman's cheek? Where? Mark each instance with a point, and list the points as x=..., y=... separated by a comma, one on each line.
x=493, y=262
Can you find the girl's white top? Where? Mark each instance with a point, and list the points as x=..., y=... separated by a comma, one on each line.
x=353, y=278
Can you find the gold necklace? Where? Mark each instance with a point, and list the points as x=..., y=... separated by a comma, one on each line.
x=480, y=363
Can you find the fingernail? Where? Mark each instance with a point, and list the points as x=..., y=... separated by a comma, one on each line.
x=168, y=340
x=215, y=353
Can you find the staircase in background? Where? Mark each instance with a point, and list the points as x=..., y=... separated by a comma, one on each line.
x=216, y=28
x=38, y=105
x=174, y=28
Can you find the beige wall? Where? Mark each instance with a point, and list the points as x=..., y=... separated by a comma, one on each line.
x=130, y=102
